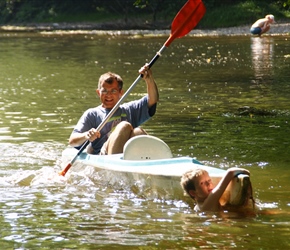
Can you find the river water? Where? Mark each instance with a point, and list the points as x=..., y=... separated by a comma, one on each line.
x=48, y=80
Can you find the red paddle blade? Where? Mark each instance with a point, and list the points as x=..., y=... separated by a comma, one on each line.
x=186, y=19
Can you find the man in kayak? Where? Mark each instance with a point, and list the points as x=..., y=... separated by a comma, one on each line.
x=262, y=25
x=198, y=185
x=124, y=123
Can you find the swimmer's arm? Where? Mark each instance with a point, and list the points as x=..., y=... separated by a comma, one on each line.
x=211, y=203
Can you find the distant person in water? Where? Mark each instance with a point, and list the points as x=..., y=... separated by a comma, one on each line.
x=262, y=25
x=198, y=185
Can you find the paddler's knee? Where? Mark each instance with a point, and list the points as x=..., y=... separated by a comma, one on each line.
x=124, y=125
x=138, y=131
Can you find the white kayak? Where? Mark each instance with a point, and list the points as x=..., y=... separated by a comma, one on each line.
x=148, y=166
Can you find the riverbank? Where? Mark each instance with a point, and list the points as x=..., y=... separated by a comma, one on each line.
x=107, y=29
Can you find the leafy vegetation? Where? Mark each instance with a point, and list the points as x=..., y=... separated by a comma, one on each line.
x=219, y=13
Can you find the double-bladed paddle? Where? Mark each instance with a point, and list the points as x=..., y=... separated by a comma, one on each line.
x=185, y=20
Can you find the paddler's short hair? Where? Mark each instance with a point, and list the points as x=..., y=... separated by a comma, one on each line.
x=188, y=178
x=109, y=77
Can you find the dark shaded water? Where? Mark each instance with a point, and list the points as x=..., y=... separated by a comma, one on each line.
x=47, y=81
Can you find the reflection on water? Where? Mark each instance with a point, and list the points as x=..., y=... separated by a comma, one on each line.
x=262, y=58
x=47, y=81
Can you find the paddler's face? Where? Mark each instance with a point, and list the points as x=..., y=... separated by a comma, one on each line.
x=109, y=94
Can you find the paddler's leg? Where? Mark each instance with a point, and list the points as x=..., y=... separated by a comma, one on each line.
x=138, y=131
x=122, y=133
x=118, y=138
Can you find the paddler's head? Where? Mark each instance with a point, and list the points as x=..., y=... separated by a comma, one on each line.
x=110, y=89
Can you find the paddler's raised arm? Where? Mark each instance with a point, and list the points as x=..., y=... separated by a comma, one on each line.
x=152, y=90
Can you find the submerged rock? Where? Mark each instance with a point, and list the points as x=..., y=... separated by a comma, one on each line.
x=252, y=111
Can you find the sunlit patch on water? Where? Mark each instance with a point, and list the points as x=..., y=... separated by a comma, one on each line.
x=266, y=205
x=262, y=164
